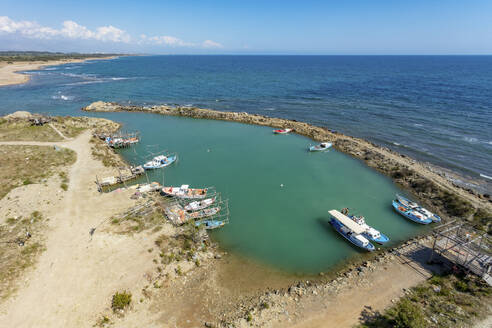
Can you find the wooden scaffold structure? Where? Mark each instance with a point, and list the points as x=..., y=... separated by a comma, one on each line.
x=124, y=174
x=218, y=211
x=464, y=246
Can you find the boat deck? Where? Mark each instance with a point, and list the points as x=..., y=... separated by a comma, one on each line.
x=346, y=221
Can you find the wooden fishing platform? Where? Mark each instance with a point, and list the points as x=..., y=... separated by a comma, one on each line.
x=124, y=174
x=177, y=215
x=120, y=139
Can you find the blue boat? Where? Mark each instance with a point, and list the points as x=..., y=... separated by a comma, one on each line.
x=410, y=213
x=408, y=203
x=160, y=162
x=210, y=224
x=321, y=147
x=370, y=233
x=349, y=230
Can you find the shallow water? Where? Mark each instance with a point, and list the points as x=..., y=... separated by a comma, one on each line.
x=284, y=227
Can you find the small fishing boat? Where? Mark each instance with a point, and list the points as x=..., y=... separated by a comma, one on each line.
x=160, y=162
x=408, y=203
x=204, y=213
x=199, y=205
x=210, y=224
x=370, y=233
x=185, y=192
x=321, y=147
x=350, y=230
x=282, y=131
x=410, y=213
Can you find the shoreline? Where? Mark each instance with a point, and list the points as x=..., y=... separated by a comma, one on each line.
x=432, y=188
x=221, y=289
x=9, y=72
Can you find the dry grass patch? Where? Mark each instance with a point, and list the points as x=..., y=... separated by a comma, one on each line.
x=21, y=243
x=22, y=130
x=23, y=165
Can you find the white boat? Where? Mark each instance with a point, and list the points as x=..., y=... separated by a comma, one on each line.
x=369, y=232
x=160, y=161
x=185, y=192
x=416, y=208
x=199, y=204
x=204, y=213
x=350, y=230
x=321, y=147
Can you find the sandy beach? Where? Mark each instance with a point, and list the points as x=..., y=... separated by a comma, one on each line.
x=9, y=72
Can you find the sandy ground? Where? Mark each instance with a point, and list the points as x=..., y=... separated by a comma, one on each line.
x=75, y=278
x=77, y=275
x=9, y=72
x=345, y=309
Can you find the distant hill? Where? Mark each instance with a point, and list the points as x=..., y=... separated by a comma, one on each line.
x=11, y=56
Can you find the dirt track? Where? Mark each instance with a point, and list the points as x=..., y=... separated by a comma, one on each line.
x=76, y=276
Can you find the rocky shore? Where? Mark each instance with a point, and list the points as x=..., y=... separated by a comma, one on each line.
x=433, y=189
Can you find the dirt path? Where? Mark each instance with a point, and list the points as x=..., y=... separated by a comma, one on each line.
x=76, y=276
x=58, y=131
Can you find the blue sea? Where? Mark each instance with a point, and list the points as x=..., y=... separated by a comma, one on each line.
x=434, y=108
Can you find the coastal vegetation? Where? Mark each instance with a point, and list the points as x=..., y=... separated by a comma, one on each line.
x=22, y=242
x=24, y=165
x=121, y=300
x=448, y=300
x=19, y=127
x=25, y=56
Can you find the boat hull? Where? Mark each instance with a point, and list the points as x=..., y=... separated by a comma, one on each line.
x=170, y=160
x=210, y=224
x=407, y=213
x=338, y=227
x=381, y=240
x=318, y=148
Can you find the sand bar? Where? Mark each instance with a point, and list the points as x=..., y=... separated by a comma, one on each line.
x=9, y=72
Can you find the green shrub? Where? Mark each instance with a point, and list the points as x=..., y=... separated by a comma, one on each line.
x=121, y=300
x=407, y=315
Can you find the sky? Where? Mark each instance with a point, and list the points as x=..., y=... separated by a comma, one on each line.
x=248, y=26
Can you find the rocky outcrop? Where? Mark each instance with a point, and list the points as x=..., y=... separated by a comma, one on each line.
x=434, y=190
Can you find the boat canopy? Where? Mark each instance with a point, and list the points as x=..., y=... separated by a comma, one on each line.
x=348, y=222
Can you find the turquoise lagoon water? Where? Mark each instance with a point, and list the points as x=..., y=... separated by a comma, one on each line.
x=285, y=227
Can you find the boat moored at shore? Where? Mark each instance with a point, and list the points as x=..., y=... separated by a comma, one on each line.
x=199, y=205
x=408, y=203
x=160, y=161
x=410, y=213
x=210, y=224
x=350, y=230
x=370, y=233
x=185, y=192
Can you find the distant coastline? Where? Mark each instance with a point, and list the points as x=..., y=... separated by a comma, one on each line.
x=9, y=71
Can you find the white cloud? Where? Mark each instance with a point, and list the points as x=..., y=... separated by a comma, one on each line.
x=168, y=41
x=70, y=30
x=73, y=30
x=211, y=44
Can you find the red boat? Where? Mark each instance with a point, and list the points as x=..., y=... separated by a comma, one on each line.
x=282, y=131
